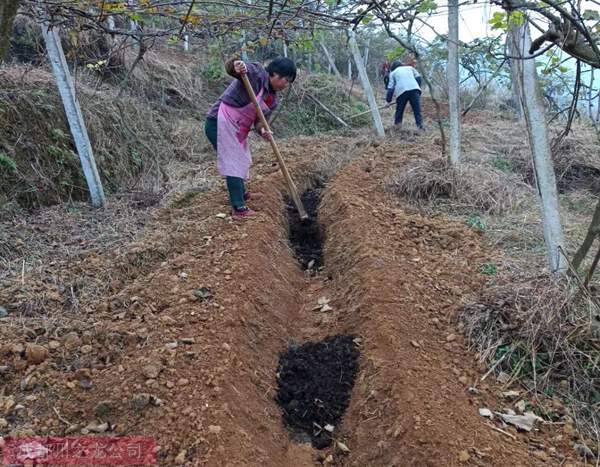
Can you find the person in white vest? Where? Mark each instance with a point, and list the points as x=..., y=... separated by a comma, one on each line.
x=405, y=84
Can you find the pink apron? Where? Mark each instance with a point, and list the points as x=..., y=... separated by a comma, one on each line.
x=233, y=125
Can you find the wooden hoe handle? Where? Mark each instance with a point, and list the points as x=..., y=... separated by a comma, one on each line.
x=282, y=166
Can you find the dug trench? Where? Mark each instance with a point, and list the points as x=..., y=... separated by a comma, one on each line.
x=202, y=333
x=314, y=378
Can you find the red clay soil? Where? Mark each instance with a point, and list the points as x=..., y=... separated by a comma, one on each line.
x=185, y=345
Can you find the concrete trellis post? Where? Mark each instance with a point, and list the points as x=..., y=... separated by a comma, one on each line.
x=453, y=83
x=74, y=116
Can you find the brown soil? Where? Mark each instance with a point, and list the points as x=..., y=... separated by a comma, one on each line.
x=196, y=310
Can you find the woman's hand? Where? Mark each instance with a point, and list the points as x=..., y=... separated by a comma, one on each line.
x=264, y=133
x=240, y=67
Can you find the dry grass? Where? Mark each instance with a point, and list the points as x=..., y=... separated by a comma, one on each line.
x=472, y=186
x=545, y=333
x=135, y=141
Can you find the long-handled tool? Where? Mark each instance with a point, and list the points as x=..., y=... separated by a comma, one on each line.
x=282, y=166
x=367, y=111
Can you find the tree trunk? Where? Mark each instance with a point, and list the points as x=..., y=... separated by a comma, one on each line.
x=8, y=13
x=74, y=116
x=453, y=86
x=590, y=93
x=362, y=73
x=592, y=232
x=535, y=120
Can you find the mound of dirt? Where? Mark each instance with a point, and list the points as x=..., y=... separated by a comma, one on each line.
x=315, y=382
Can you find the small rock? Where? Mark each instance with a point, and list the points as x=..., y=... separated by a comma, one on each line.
x=97, y=427
x=503, y=378
x=151, y=371
x=325, y=308
x=329, y=428
x=103, y=408
x=328, y=460
x=3, y=369
x=71, y=340
x=71, y=429
x=511, y=395
x=450, y=337
x=226, y=346
x=171, y=345
x=342, y=447
x=521, y=406
x=27, y=383
x=188, y=340
x=183, y=382
x=141, y=400
x=415, y=344
x=35, y=354
x=214, y=429
x=463, y=380
x=86, y=384
x=3, y=312
x=54, y=345
x=541, y=455
x=86, y=349
x=485, y=412
x=3, y=423
x=170, y=384
x=463, y=456
x=202, y=293
x=180, y=459
x=221, y=215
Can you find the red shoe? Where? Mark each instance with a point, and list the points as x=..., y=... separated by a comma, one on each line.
x=242, y=213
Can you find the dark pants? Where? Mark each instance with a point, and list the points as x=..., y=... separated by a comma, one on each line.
x=414, y=97
x=235, y=185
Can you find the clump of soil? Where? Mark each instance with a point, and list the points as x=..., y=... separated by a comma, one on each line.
x=315, y=381
x=306, y=236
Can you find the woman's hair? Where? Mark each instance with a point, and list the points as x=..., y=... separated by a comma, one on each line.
x=284, y=67
x=395, y=64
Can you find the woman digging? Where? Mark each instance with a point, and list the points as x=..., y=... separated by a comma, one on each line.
x=231, y=118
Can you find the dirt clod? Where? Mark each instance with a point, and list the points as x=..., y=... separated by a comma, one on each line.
x=35, y=354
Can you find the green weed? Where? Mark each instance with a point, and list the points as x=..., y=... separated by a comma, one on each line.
x=475, y=222
x=502, y=164
x=7, y=163
x=489, y=269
